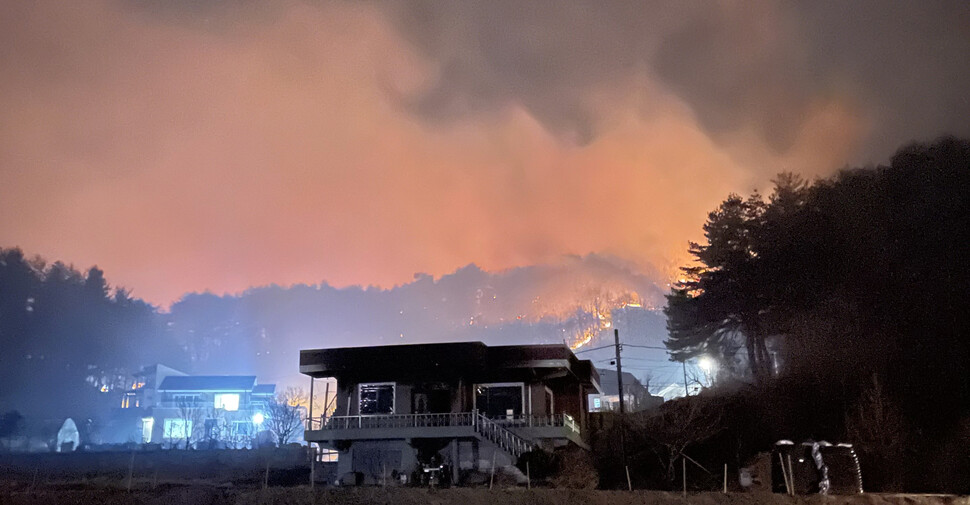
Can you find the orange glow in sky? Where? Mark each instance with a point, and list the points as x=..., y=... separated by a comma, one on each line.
x=229, y=152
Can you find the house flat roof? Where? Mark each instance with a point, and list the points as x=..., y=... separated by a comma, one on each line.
x=234, y=383
x=453, y=359
x=264, y=389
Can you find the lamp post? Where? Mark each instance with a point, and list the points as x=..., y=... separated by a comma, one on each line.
x=709, y=366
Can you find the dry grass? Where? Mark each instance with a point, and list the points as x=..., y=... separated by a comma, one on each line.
x=210, y=495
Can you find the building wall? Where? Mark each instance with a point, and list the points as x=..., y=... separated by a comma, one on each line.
x=402, y=398
x=399, y=457
x=569, y=399
x=203, y=409
x=374, y=457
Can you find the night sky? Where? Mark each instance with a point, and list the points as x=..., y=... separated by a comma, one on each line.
x=185, y=145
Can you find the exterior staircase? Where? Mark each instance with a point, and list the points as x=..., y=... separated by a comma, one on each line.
x=504, y=433
x=509, y=442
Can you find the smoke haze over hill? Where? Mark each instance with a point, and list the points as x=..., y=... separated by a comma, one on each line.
x=575, y=300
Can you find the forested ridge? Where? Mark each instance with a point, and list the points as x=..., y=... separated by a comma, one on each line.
x=66, y=335
x=839, y=309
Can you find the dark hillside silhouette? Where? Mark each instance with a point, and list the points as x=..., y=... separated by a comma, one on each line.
x=261, y=330
x=69, y=339
x=69, y=334
x=859, y=283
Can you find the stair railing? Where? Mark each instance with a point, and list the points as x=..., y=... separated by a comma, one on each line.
x=498, y=435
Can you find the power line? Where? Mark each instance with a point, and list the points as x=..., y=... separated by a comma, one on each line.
x=645, y=346
x=593, y=349
x=621, y=345
x=634, y=358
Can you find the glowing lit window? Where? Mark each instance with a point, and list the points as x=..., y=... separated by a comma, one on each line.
x=597, y=403
x=176, y=428
x=147, y=426
x=128, y=401
x=228, y=402
x=327, y=455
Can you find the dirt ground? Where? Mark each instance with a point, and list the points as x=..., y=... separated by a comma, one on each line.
x=211, y=495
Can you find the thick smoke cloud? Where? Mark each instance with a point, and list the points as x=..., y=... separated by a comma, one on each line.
x=221, y=144
x=899, y=66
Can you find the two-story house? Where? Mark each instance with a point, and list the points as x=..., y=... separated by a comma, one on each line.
x=466, y=405
x=227, y=409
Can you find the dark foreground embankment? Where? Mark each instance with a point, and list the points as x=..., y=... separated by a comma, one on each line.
x=209, y=495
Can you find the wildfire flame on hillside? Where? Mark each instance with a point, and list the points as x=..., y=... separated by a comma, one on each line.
x=600, y=317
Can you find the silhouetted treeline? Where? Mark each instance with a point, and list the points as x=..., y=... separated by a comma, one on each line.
x=845, y=301
x=67, y=335
x=262, y=330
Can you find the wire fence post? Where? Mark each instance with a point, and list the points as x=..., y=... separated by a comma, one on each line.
x=266, y=476
x=725, y=478
x=791, y=476
x=629, y=483
x=313, y=465
x=683, y=466
x=491, y=477
x=528, y=475
x=784, y=474
x=131, y=469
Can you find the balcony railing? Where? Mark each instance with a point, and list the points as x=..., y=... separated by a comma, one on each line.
x=392, y=421
x=528, y=421
x=438, y=420
x=207, y=404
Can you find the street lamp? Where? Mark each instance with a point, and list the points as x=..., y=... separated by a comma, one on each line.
x=258, y=418
x=708, y=365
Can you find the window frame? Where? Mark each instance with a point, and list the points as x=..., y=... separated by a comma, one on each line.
x=521, y=385
x=236, y=424
x=360, y=388
x=551, y=404
x=168, y=425
x=147, y=429
x=219, y=396
x=189, y=399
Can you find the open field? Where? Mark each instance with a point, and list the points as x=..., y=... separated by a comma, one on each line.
x=201, y=494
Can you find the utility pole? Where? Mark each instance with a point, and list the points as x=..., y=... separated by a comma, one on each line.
x=326, y=404
x=619, y=389
x=619, y=369
x=309, y=424
x=686, y=391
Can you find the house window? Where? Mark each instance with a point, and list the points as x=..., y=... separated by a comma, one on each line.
x=499, y=400
x=189, y=400
x=327, y=455
x=376, y=399
x=177, y=428
x=597, y=403
x=147, y=426
x=212, y=430
x=129, y=401
x=227, y=402
x=242, y=427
